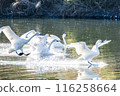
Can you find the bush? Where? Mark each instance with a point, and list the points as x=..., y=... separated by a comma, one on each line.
x=61, y=8
x=4, y=4
x=22, y=8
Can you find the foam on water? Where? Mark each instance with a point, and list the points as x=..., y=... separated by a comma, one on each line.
x=53, y=62
x=47, y=65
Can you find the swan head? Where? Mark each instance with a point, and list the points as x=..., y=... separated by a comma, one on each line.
x=99, y=42
x=37, y=33
x=10, y=50
x=64, y=35
x=47, y=35
x=31, y=33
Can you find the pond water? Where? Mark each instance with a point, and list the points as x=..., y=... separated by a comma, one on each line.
x=63, y=67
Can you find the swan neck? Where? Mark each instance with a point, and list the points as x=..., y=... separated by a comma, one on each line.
x=64, y=41
x=51, y=44
x=97, y=47
x=31, y=37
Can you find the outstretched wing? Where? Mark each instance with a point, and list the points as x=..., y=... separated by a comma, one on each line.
x=52, y=37
x=9, y=33
x=104, y=42
x=81, y=47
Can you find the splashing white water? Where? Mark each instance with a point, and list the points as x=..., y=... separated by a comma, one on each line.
x=52, y=63
x=48, y=65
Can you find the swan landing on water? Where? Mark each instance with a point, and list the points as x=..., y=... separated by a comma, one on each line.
x=88, y=54
x=16, y=41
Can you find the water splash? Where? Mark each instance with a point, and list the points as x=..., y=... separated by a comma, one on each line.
x=48, y=64
x=53, y=63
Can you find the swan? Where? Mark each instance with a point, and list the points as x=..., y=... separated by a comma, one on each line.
x=38, y=43
x=65, y=44
x=40, y=46
x=57, y=44
x=87, y=54
x=16, y=41
x=58, y=48
x=29, y=34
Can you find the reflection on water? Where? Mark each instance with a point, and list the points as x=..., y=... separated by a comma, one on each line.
x=59, y=66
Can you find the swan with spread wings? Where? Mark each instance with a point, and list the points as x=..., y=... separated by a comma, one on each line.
x=17, y=42
x=88, y=54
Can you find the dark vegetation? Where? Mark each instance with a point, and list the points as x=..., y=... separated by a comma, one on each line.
x=109, y=9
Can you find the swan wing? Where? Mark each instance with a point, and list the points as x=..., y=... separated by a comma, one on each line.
x=52, y=37
x=104, y=42
x=57, y=45
x=55, y=37
x=81, y=47
x=10, y=34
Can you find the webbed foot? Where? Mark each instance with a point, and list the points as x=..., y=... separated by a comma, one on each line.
x=26, y=54
x=90, y=64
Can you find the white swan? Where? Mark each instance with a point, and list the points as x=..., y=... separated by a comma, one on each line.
x=29, y=34
x=63, y=36
x=37, y=40
x=57, y=44
x=16, y=41
x=39, y=45
x=87, y=54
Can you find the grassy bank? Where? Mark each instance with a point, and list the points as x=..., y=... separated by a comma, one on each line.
x=109, y=9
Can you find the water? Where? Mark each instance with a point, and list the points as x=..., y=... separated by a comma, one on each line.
x=60, y=66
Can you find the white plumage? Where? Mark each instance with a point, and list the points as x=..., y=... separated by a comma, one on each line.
x=87, y=54
x=16, y=41
x=57, y=44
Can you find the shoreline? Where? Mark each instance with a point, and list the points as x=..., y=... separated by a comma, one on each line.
x=47, y=17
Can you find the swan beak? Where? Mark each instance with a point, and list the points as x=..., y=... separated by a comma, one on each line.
x=49, y=35
x=101, y=41
x=40, y=34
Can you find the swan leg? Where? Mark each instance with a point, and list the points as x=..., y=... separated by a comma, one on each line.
x=27, y=54
x=20, y=54
x=90, y=64
x=24, y=53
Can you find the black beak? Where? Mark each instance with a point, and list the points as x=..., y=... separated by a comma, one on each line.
x=40, y=34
